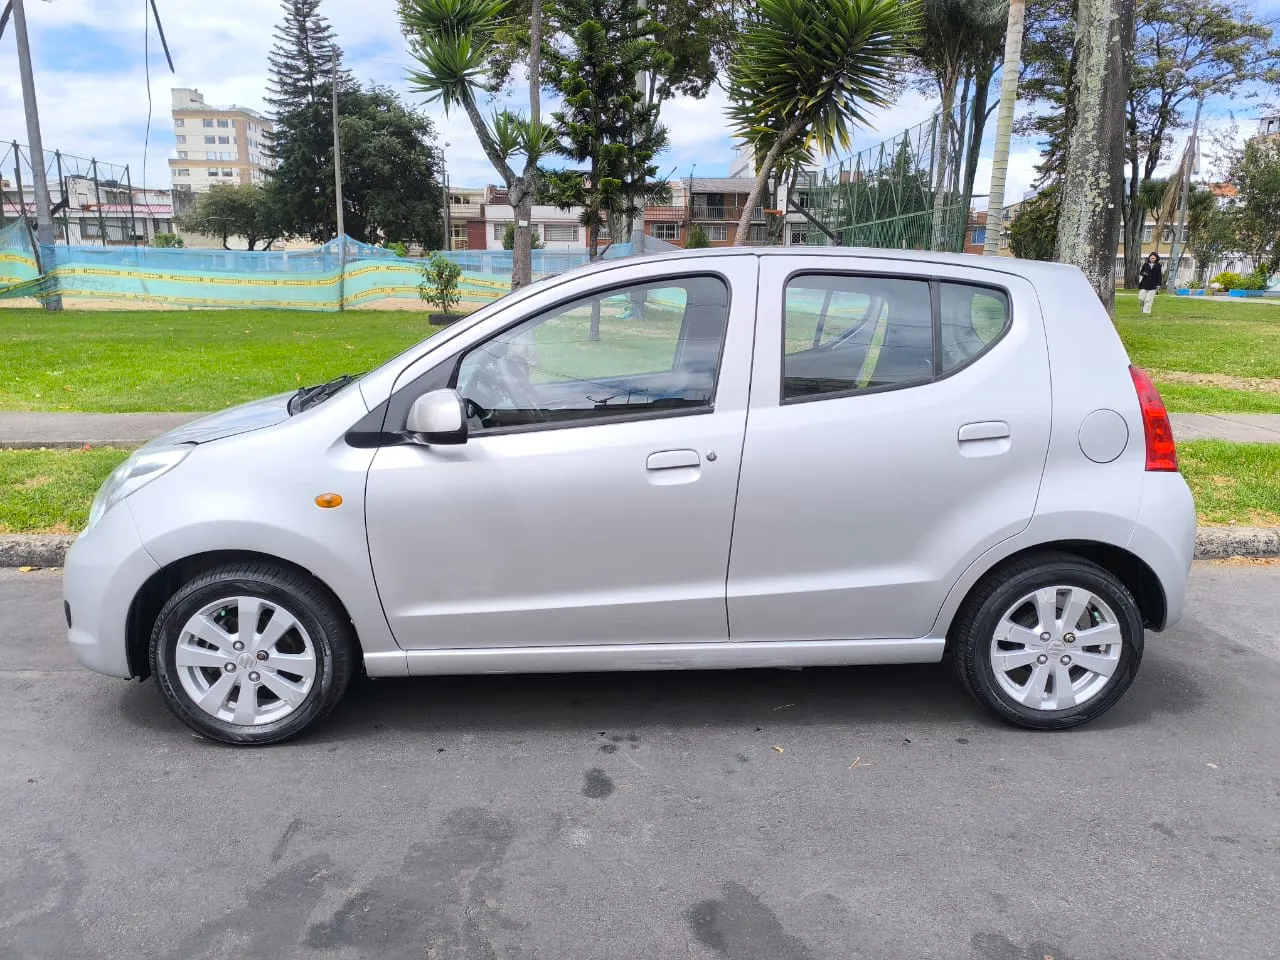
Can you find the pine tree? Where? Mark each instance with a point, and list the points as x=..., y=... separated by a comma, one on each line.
x=301, y=57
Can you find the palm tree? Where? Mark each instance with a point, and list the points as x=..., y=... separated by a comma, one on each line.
x=1004, y=124
x=453, y=42
x=805, y=70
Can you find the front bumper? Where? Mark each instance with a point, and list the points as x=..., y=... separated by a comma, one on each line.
x=104, y=571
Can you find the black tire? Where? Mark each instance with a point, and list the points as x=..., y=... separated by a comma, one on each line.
x=988, y=602
x=314, y=607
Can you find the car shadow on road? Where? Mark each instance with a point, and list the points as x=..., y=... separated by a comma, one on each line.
x=922, y=697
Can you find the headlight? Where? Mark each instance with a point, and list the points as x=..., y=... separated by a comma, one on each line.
x=134, y=474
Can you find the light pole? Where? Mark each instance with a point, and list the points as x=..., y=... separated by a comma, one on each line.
x=1188, y=164
x=444, y=186
x=44, y=218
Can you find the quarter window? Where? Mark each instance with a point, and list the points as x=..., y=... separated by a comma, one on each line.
x=638, y=349
x=972, y=319
x=849, y=333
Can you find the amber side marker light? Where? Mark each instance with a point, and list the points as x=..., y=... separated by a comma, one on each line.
x=329, y=500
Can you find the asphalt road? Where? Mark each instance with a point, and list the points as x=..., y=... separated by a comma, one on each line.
x=650, y=816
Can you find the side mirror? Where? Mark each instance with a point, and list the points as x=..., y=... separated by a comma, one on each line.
x=438, y=417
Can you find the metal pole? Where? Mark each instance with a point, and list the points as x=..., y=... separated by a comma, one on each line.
x=1004, y=127
x=448, y=224
x=97, y=198
x=44, y=220
x=1175, y=253
x=337, y=184
x=22, y=198
x=133, y=223
x=66, y=208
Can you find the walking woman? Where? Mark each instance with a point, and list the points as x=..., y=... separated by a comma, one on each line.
x=1150, y=278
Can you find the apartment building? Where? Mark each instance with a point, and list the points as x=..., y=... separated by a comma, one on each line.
x=215, y=144
x=713, y=203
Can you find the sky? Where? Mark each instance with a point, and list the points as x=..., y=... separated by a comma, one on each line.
x=92, y=87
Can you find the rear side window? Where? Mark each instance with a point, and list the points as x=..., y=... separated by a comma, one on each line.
x=846, y=333
x=972, y=319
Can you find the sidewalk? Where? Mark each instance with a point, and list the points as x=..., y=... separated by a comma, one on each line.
x=33, y=430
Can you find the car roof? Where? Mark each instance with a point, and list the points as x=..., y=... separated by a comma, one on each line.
x=1034, y=270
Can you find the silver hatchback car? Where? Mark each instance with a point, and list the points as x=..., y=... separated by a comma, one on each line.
x=708, y=460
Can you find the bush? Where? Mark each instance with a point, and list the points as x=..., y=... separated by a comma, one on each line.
x=167, y=240
x=697, y=238
x=1229, y=280
x=509, y=239
x=440, y=282
x=398, y=248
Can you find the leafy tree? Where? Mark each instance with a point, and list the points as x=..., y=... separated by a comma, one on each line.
x=167, y=240
x=1033, y=234
x=390, y=169
x=805, y=71
x=509, y=239
x=1182, y=49
x=244, y=210
x=697, y=238
x=1256, y=175
x=454, y=42
x=439, y=283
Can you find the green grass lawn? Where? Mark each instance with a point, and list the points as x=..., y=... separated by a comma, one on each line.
x=49, y=491
x=1233, y=482
x=1206, y=356
x=123, y=361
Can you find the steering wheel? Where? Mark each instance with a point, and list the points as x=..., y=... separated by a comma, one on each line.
x=498, y=387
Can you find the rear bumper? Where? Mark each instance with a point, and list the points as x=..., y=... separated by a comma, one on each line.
x=1165, y=537
x=105, y=568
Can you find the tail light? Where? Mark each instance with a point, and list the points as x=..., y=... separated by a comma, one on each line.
x=1161, y=452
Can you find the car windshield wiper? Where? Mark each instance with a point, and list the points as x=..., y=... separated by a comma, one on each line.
x=307, y=397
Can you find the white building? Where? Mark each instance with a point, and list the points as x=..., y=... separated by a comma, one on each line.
x=105, y=212
x=214, y=144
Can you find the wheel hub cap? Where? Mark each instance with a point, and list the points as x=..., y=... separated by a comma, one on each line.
x=245, y=660
x=1056, y=648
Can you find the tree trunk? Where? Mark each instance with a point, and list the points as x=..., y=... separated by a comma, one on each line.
x=1004, y=125
x=1089, y=224
x=762, y=178
x=1133, y=213
x=594, y=333
x=977, y=127
x=522, y=256
x=944, y=142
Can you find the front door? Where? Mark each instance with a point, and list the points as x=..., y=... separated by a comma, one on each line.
x=593, y=500
x=898, y=429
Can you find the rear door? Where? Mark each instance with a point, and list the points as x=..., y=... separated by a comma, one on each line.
x=898, y=425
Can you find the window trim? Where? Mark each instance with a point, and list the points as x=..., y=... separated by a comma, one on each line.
x=600, y=293
x=935, y=281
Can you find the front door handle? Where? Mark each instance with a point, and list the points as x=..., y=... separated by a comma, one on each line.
x=672, y=459
x=984, y=430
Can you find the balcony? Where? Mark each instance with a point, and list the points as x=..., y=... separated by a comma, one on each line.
x=703, y=212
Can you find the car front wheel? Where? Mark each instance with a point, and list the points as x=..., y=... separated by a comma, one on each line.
x=251, y=653
x=1049, y=642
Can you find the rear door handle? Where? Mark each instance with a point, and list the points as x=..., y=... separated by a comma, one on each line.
x=984, y=430
x=672, y=459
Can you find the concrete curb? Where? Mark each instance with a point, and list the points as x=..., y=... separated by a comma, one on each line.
x=1212, y=543
x=34, y=549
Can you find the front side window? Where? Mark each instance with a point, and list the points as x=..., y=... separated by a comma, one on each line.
x=848, y=333
x=645, y=348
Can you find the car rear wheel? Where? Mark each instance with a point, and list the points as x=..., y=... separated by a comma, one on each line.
x=1050, y=642
x=251, y=653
